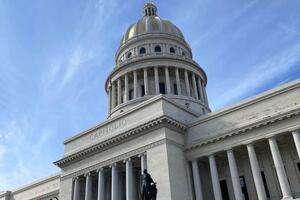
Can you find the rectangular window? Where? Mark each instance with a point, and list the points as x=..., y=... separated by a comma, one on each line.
x=298, y=165
x=143, y=90
x=162, y=88
x=265, y=183
x=244, y=187
x=175, y=89
x=224, y=190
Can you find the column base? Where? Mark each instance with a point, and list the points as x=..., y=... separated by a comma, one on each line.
x=288, y=198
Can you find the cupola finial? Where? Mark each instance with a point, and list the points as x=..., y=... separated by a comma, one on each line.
x=150, y=9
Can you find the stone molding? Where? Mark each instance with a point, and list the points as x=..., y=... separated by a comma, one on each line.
x=248, y=127
x=248, y=102
x=111, y=161
x=121, y=138
x=37, y=183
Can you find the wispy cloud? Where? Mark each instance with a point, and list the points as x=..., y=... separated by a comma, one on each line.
x=261, y=74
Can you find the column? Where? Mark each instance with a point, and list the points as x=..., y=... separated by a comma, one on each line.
x=178, y=81
x=187, y=83
x=135, y=85
x=205, y=94
x=109, y=99
x=113, y=95
x=215, y=178
x=156, y=79
x=194, y=85
x=119, y=92
x=234, y=176
x=282, y=178
x=143, y=162
x=259, y=185
x=197, y=180
x=200, y=89
x=101, y=184
x=114, y=182
x=129, y=180
x=296, y=136
x=168, y=80
x=146, y=82
x=88, y=187
x=76, y=194
x=126, y=87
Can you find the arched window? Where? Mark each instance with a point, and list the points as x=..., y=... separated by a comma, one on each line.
x=172, y=50
x=157, y=48
x=142, y=50
x=129, y=55
x=183, y=54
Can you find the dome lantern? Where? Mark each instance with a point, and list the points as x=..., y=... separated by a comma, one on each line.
x=150, y=9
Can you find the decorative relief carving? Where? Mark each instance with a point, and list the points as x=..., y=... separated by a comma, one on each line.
x=108, y=129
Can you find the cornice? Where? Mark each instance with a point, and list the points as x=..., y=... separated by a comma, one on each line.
x=247, y=102
x=247, y=127
x=37, y=183
x=111, y=161
x=121, y=138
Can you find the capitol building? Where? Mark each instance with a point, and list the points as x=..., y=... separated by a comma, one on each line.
x=159, y=119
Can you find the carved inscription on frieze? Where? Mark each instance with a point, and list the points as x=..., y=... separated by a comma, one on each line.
x=108, y=129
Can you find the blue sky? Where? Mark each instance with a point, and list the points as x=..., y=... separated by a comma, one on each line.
x=56, y=54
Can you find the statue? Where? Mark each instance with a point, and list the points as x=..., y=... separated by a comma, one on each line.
x=149, y=190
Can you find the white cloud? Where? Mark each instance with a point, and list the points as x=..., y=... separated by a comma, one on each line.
x=261, y=74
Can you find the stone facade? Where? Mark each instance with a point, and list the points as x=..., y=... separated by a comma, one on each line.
x=159, y=119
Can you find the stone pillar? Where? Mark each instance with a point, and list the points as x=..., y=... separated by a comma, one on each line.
x=259, y=185
x=109, y=99
x=119, y=92
x=113, y=94
x=234, y=175
x=143, y=162
x=215, y=178
x=76, y=195
x=197, y=180
x=156, y=79
x=281, y=174
x=146, y=81
x=135, y=84
x=296, y=136
x=195, y=86
x=168, y=85
x=205, y=94
x=129, y=180
x=88, y=187
x=126, y=92
x=114, y=182
x=178, y=81
x=200, y=89
x=101, y=185
x=187, y=83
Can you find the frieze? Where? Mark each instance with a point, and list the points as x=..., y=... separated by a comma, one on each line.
x=108, y=129
x=111, y=161
x=248, y=127
x=117, y=139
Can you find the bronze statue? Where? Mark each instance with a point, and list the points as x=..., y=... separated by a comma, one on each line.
x=149, y=190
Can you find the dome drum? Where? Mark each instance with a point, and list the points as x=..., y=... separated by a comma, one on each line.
x=149, y=47
x=138, y=84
